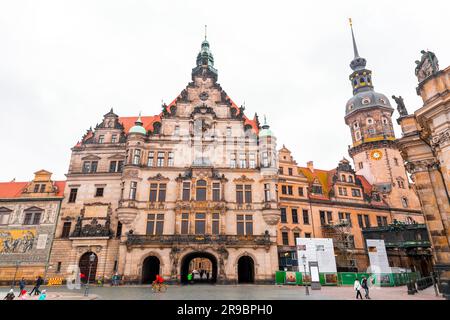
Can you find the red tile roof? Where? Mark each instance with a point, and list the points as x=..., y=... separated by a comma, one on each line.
x=147, y=122
x=10, y=190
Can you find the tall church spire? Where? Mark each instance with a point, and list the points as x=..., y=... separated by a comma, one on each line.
x=205, y=61
x=357, y=63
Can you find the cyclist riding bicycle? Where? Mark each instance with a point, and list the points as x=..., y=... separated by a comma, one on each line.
x=159, y=279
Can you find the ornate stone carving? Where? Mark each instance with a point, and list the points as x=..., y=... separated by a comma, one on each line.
x=420, y=166
x=427, y=66
x=441, y=140
x=93, y=229
x=400, y=106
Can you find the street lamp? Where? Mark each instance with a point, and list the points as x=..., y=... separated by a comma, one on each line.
x=304, y=269
x=91, y=261
x=15, y=274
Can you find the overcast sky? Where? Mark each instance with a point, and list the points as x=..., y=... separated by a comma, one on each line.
x=63, y=64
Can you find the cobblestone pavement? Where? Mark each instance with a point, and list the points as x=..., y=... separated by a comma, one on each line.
x=225, y=292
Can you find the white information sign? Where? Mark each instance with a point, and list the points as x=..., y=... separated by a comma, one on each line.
x=377, y=256
x=320, y=250
x=42, y=241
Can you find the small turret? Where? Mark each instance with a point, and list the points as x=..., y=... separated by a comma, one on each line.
x=138, y=128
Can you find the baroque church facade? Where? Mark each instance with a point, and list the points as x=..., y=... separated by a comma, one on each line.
x=147, y=195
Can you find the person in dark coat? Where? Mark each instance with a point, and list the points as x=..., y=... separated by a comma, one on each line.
x=22, y=285
x=365, y=286
x=39, y=282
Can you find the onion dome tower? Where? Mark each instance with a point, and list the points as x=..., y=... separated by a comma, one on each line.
x=138, y=128
x=368, y=115
x=205, y=62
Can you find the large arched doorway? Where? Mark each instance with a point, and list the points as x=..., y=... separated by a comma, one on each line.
x=150, y=268
x=85, y=264
x=246, y=270
x=201, y=265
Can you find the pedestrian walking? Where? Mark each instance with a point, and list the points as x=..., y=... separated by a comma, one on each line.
x=10, y=295
x=23, y=295
x=35, y=289
x=365, y=286
x=22, y=285
x=357, y=287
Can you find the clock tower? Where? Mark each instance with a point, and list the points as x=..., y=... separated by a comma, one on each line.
x=374, y=150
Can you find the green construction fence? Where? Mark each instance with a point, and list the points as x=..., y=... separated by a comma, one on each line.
x=348, y=278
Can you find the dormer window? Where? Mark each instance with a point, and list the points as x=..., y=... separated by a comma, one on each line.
x=355, y=125
x=350, y=179
x=317, y=189
x=350, y=107
x=382, y=101
x=114, y=138
x=385, y=121
x=101, y=138
x=343, y=178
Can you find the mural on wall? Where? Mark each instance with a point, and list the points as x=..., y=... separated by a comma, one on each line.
x=17, y=241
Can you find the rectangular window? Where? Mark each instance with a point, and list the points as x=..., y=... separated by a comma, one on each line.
x=32, y=218
x=305, y=217
x=367, y=221
x=4, y=216
x=216, y=191
x=283, y=215
x=185, y=223
x=99, y=192
x=300, y=191
x=228, y=131
x=101, y=139
x=151, y=155
x=285, y=238
x=58, y=267
x=283, y=189
x=360, y=165
x=242, y=161
x=340, y=216
x=170, y=160
x=113, y=166
x=290, y=192
x=153, y=192
x=294, y=216
x=244, y=224
x=42, y=189
x=186, y=191
x=215, y=223
x=296, y=235
x=133, y=187
x=137, y=157
x=385, y=223
x=160, y=160
x=232, y=160
x=200, y=223
x=120, y=166
x=252, y=161
x=155, y=224
x=379, y=221
x=307, y=235
x=36, y=188
x=200, y=190
x=240, y=193
x=348, y=218
x=360, y=221
x=329, y=217
x=113, y=138
x=265, y=159
x=177, y=131
x=73, y=195
x=290, y=171
x=316, y=189
x=322, y=218
x=119, y=229
x=90, y=166
x=162, y=192
x=66, y=229
x=248, y=193
x=356, y=193
x=266, y=192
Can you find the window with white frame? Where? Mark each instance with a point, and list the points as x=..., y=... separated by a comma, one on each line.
x=160, y=160
x=137, y=156
x=4, y=215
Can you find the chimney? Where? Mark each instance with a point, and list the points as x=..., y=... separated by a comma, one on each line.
x=310, y=165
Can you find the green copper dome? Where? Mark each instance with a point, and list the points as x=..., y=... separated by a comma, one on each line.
x=138, y=128
x=265, y=130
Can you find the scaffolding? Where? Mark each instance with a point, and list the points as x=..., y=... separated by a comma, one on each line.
x=343, y=243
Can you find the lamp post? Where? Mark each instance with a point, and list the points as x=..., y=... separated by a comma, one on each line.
x=304, y=269
x=91, y=261
x=15, y=274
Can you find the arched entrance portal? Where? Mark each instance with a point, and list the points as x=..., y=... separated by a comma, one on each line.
x=202, y=265
x=246, y=270
x=150, y=268
x=84, y=267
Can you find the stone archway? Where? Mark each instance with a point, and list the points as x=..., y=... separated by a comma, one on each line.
x=246, y=270
x=186, y=265
x=150, y=268
x=88, y=269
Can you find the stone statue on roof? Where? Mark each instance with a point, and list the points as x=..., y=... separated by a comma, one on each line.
x=427, y=65
x=400, y=106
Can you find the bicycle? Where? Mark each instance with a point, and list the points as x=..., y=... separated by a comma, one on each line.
x=159, y=287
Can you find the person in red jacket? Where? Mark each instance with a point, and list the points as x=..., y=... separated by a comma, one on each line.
x=159, y=279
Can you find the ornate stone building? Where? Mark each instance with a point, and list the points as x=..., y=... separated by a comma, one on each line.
x=425, y=146
x=149, y=194
x=28, y=216
x=340, y=203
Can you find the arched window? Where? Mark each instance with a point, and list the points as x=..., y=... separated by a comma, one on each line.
x=200, y=194
x=357, y=135
x=356, y=125
x=362, y=81
x=405, y=202
x=350, y=179
x=385, y=121
x=343, y=178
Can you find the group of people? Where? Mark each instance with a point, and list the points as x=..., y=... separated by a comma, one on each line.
x=198, y=275
x=363, y=285
x=23, y=292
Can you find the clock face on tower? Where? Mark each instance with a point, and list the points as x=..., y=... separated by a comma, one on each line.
x=376, y=154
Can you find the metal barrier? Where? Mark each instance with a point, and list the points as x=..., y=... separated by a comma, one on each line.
x=424, y=283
